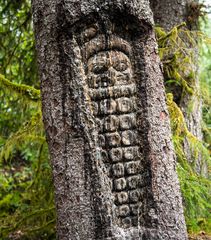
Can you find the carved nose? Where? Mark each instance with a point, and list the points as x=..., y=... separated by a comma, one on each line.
x=108, y=78
x=106, y=81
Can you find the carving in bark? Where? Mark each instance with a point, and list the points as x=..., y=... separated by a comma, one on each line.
x=112, y=92
x=106, y=122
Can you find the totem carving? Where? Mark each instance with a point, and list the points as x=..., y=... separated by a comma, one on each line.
x=112, y=92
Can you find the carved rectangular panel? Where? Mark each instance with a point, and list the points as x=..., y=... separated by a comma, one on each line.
x=107, y=61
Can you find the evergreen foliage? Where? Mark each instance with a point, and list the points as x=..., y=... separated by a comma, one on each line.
x=26, y=191
x=195, y=187
x=21, y=90
x=178, y=68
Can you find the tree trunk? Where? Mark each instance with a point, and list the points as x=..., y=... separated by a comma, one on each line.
x=106, y=121
x=168, y=14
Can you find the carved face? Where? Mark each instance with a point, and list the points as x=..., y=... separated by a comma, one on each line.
x=108, y=69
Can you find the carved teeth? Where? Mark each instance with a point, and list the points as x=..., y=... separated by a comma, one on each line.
x=119, y=105
x=124, y=210
x=107, y=106
x=133, y=182
x=127, y=121
x=126, y=222
x=111, y=123
x=129, y=137
x=118, y=170
x=116, y=154
x=94, y=108
x=134, y=195
x=114, y=91
x=130, y=153
x=132, y=167
x=124, y=105
x=121, y=197
x=134, y=209
x=113, y=139
x=120, y=184
x=104, y=155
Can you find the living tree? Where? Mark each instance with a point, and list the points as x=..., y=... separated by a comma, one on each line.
x=180, y=55
x=27, y=209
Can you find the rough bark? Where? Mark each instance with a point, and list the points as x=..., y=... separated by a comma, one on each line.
x=106, y=121
x=169, y=14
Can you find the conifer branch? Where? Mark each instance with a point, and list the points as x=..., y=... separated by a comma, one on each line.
x=22, y=90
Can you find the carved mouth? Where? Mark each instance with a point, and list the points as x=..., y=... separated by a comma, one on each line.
x=113, y=91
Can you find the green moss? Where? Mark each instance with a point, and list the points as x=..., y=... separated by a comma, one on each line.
x=176, y=53
x=195, y=187
x=21, y=90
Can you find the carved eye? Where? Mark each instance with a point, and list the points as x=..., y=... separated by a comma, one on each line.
x=99, y=69
x=121, y=67
x=89, y=33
